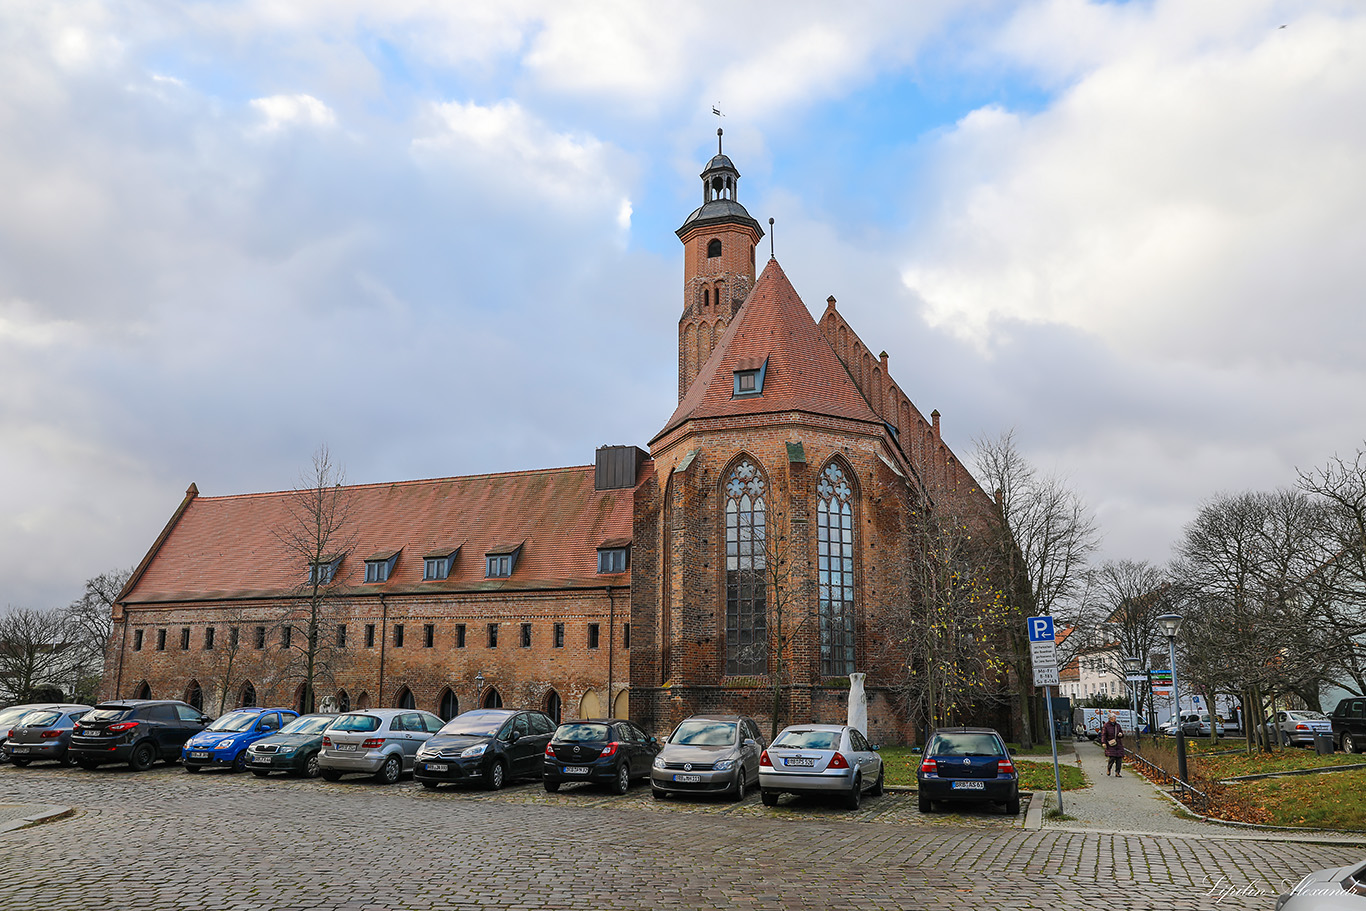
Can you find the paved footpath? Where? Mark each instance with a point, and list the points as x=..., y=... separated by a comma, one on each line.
x=167, y=840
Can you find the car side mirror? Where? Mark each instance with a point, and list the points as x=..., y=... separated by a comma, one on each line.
x=915, y=749
x=751, y=742
x=874, y=747
x=513, y=737
x=654, y=740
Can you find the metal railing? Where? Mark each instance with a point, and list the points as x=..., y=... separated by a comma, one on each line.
x=1182, y=790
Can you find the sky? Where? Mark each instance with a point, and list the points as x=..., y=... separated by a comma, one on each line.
x=437, y=237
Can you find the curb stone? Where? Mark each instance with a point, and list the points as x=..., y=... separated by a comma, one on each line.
x=41, y=813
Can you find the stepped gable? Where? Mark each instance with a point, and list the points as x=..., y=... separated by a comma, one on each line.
x=803, y=373
x=226, y=547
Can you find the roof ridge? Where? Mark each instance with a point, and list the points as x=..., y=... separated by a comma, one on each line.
x=409, y=482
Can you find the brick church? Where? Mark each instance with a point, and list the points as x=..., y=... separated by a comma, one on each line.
x=762, y=534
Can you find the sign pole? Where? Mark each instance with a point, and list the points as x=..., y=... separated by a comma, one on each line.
x=1053, y=738
x=1043, y=655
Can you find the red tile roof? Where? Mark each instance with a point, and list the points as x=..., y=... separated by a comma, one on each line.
x=803, y=374
x=227, y=547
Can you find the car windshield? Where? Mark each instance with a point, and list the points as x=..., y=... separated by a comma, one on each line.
x=705, y=733
x=358, y=723
x=306, y=725
x=1306, y=716
x=965, y=745
x=39, y=719
x=581, y=733
x=809, y=740
x=234, y=721
x=109, y=714
x=472, y=727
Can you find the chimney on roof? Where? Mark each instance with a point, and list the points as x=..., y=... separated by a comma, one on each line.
x=934, y=416
x=617, y=467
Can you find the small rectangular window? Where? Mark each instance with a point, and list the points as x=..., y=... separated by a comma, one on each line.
x=460, y=635
x=137, y=640
x=626, y=635
x=436, y=568
x=184, y=638
x=526, y=635
x=341, y=635
x=612, y=560
x=369, y=635
x=161, y=640
x=375, y=571
x=208, y=637
x=428, y=635
x=493, y=635
x=232, y=637
x=593, y=635
x=286, y=636
x=398, y=635
x=322, y=573
x=260, y=637
x=498, y=566
x=559, y=635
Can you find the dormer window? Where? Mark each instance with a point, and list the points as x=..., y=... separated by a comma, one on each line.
x=501, y=561
x=378, y=567
x=324, y=571
x=437, y=565
x=749, y=377
x=612, y=556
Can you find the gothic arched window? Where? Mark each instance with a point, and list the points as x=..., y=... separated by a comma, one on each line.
x=713, y=248
x=746, y=562
x=835, y=556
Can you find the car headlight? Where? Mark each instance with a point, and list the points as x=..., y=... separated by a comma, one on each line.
x=476, y=750
x=286, y=751
x=424, y=752
x=724, y=765
x=659, y=762
x=223, y=745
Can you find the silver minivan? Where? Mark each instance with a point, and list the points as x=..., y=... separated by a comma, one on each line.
x=378, y=742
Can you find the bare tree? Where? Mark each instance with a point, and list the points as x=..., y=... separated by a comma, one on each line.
x=223, y=665
x=1042, y=546
x=89, y=621
x=1129, y=596
x=318, y=534
x=34, y=653
x=1341, y=486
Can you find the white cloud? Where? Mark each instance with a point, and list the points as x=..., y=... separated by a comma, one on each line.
x=280, y=111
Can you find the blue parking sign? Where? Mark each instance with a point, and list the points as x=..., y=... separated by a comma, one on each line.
x=1040, y=629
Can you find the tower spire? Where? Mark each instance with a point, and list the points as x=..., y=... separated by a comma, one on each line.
x=718, y=141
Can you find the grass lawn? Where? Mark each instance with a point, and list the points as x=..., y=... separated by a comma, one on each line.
x=1334, y=800
x=1236, y=764
x=900, y=764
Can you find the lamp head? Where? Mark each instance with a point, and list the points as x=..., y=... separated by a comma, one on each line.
x=1131, y=665
x=1170, y=624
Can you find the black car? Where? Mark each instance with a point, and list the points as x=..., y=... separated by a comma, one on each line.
x=486, y=746
x=603, y=750
x=967, y=764
x=135, y=731
x=293, y=748
x=1349, y=725
x=42, y=734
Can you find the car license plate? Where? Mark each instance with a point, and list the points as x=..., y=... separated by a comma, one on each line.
x=346, y=747
x=18, y=749
x=259, y=760
x=199, y=755
x=688, y=779
x=968, y=786
x=576, y=770
x=799, y=761
x=437, y=767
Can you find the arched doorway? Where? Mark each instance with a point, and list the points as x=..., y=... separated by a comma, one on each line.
x=299, y=700
x=405, y=699
x=450, y=705
x=493, y=699
x=621, y=708
x=248, y=698
x=343, y=701
x=590, y=706
x=362, y=702
x=143, y=691
x=194, y=695
x=553, y=706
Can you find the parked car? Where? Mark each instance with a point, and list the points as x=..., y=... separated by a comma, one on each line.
x=293, y=749
x=135, y=731
x=378, y=742
x=1193, y=724
x=42, y=735
x=709, y=754
x=223, y=744
x=1334, y=889
x=489, y=746
x=820, y=759
x=1298, y=726
x=8, y=716
x=967, y=764
x=607, y=751
x=1349, y=725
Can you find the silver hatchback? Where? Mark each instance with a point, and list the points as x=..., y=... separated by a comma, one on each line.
x=830, y=759
x=378, y=742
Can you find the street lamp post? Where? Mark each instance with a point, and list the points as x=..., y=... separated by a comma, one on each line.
x=1170, y=624
x=1131, y=666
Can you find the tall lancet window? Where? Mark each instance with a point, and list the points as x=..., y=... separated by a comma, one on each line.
x=746, y=562
x=835, y=555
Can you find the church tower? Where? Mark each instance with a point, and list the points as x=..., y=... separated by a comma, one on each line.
x=718, y=265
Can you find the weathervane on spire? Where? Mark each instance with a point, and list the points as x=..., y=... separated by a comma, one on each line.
x=771, y=254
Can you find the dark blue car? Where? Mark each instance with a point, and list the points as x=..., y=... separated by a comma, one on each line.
x=967, y=764
x=223, y=744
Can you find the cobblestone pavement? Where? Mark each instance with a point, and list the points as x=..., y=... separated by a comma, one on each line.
x=167, y=840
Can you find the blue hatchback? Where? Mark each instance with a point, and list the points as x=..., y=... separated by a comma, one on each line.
x=223, y=744
x=967, y=764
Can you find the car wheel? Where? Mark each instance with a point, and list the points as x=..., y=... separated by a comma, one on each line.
x=311, y=766
x=737, y=793
x=770, y=798
x=390, y=771
x=429, y=785
x=20, y=763
x=66, y=761
x=622, y=783
x=551, y=786
x=1349, y=743
x=926, y=805
x=239, y=762
x=878, y=787
x=1013, y=806
x=496, y=776
x=260, y=773
x=331, y=775
x=854, y=799
x=144, y=754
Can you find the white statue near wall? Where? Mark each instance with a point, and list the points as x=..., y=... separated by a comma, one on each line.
x=858, y=704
